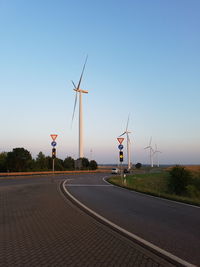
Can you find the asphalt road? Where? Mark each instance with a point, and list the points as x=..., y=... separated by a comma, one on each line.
x=39, y=226
x=169, y=225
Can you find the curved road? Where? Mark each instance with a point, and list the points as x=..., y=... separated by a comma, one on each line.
x=169, y=225
x=39, y=226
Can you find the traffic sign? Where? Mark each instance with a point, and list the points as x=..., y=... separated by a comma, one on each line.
x=53, y=136
x=53, y=143
x=120, y=147
x=120, y=140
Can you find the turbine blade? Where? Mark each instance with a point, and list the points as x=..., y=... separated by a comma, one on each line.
x=127, y=123
x=155, y=148
x=79, y=83
x=150, y=141
x=74, y=107
x=73, y=84
x=122, y=134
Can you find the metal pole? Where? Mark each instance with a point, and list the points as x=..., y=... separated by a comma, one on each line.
x=53, y=164
x=121, y=171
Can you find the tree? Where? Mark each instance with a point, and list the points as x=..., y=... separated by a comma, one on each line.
x=59, y=164
x=85, y=163
x=49, y=163
x=3, y=162
x=19, y=159
x=93, y=165
x=69, y=163
x=41, y=162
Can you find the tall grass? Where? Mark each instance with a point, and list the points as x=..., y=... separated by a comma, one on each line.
x=155, y=184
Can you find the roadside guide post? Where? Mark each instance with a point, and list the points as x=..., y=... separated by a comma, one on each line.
x=53, y=143
x=121, y=156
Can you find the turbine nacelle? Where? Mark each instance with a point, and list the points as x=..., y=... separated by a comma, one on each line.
x=81, y=91
x=156, y=150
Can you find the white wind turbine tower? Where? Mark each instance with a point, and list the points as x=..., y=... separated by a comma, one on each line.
x=128, y=144
x=79, y=91
x=151, y=152
x=156, y=151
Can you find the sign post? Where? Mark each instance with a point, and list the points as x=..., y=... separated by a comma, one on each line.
x=53, y=136
x=53, y=165
x=121, y=156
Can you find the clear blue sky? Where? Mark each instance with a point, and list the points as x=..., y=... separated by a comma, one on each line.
x=144, y=59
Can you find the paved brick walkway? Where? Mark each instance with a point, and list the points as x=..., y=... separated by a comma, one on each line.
x=38, y=227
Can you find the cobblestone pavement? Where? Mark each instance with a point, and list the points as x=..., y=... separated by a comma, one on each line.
x=39, y=227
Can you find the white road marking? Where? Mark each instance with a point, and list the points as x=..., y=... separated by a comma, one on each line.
x=104, y=179
x=131, y=235
x=88, y=185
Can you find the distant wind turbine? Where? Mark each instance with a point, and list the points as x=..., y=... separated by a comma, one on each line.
x=151, y=151
x=128, y=144
x=80, y=91
x=156, y=151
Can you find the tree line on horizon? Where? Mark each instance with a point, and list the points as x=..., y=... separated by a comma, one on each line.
x=20, y=160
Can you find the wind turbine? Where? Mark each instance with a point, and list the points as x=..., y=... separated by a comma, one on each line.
x=151, y=152
x=128, y=144
x=156, y=151
x=79, y=92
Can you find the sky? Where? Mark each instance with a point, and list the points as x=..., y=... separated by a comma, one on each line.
x=143, y=60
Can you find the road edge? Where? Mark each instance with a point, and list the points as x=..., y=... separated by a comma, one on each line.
x=156, y=250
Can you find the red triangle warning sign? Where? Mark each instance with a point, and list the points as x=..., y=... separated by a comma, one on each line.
x=120, y=140
x=54, y=136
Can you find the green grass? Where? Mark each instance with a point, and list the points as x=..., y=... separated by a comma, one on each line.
x=155, y=184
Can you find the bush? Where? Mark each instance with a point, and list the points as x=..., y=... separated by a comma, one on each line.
x=196, y=181
x=179, y=179
x=138, y=165
x=192, y=191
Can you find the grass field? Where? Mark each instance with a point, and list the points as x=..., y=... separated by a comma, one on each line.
x=155, y=184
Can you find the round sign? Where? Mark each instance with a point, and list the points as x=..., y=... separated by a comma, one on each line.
x=53, y=143
x=120, y=147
